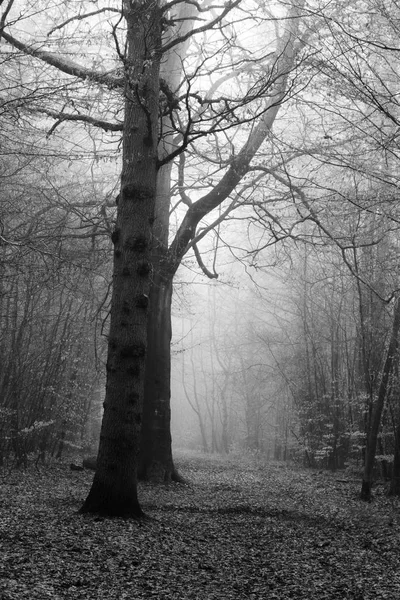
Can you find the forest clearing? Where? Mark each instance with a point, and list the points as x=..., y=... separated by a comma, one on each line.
x=240, y=529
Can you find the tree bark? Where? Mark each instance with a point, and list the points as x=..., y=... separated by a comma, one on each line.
x=156, y=463
x=114, y=488
x=394, y=489
x=372, y=439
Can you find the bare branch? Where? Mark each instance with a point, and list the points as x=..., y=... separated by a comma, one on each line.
x=4, y=15
x=356, y=38
x=240, y=164
x=205, y=230
x=175, y=42
x=115, y=38
x=181, y=178
x=239, y=167
x=202, y=265
x=84, y=16
x=343, y=248
x=61, y=116
x=66, y=66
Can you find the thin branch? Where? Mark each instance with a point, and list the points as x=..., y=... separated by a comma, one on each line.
x=181, y=180
x=201, y=234
x=202, y=265
x=116, y=42
x=61, y=116
x=4, y=15
x=228, y=7
x=352, y=36
x=314, y=217
x=82, y=17
x=204, y=7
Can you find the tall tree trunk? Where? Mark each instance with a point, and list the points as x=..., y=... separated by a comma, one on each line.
x=394, y=489
x=114, y=488
x=156, y=463
x=372, y=439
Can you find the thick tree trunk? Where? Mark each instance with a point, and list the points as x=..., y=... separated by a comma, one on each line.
x=156, y=463
x=372, y=439
x=114, y=488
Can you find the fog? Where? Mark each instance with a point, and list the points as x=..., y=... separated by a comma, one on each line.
x=227, y=388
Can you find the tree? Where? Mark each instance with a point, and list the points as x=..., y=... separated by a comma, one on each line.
x=268, y=93
x=383, y=390
x=114, y=490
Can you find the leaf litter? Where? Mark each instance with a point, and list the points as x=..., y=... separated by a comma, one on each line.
x=241, y=530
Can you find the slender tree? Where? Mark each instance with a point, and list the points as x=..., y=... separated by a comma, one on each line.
x=383, y=390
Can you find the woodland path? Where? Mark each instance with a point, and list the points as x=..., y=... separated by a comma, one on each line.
x=242, y=530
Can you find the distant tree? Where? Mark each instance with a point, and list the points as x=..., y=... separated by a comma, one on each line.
x=47, y=349
x=358, y=71
x=391, y=356
x=49, y=245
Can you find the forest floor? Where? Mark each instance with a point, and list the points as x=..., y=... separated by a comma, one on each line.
x=241, y=530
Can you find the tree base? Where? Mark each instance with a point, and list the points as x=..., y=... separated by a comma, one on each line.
x=177, y=478
x=366, y=491
x=394, y=488
x=106, y=502
x=157, y=473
